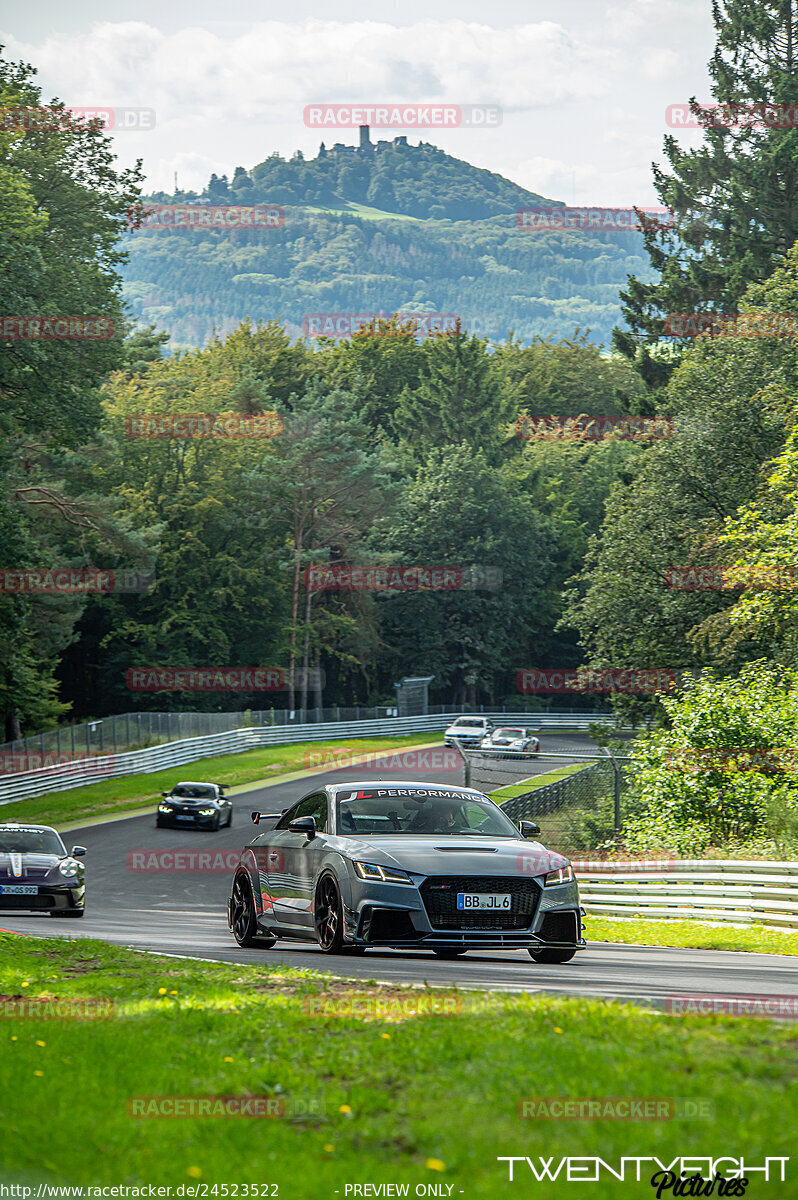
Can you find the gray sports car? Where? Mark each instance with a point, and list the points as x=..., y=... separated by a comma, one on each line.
x=37, y=874
x=408, y=865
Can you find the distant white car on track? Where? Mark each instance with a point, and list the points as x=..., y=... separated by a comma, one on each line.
x=469, y=731
x=515, y=740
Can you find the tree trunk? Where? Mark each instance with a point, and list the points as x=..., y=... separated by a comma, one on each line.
x=13, y=727
x=305, y=652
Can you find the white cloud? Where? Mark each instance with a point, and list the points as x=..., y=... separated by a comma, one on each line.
x=589, y=87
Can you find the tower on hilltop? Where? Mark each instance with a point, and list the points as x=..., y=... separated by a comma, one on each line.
x=366, y=146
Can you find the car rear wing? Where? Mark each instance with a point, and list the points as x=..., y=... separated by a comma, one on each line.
x=257, y=817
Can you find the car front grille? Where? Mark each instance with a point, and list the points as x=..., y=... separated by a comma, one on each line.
x=439, y=893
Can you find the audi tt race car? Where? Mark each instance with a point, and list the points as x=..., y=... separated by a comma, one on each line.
x=37, y=873
x=408, y=865
x=521, y=743
x=199, y=805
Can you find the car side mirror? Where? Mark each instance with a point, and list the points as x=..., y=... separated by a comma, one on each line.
x=165, y=794
x=78, y=851
x=306, y=825
x=529, y=829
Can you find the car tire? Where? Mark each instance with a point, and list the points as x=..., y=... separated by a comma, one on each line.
x=328, y=915
x=447, y=952
x=243, y=918
x=230, y=818
x=552, y=956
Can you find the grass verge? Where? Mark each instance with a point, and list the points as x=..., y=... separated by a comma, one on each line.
x=385, y=1096
x=752, y=939
x=112, y=796
x=531, y=785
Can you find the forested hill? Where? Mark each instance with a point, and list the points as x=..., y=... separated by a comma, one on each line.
x=401, y=229
x=414, y=181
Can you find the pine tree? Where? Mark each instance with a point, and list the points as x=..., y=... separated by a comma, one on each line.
x=734, y=198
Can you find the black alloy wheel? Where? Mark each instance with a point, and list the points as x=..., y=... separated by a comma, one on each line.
x=328, y=916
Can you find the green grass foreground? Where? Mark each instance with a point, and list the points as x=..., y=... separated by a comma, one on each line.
x=111, y=796
x=382, y=1097
x=753, y=939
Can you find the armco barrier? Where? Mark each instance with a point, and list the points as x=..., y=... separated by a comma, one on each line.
x=175, y=754
x=741, y=892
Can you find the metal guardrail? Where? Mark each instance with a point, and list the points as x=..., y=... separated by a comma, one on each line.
x=140, y=730
x=62, y=776
x=740, y=892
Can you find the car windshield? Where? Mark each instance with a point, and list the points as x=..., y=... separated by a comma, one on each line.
x=413, y=811
x=469, y=724
x=190, y=791
x=31, y=841
x=508, y=733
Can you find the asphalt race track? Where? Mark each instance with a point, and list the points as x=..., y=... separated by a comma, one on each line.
x=184, y=913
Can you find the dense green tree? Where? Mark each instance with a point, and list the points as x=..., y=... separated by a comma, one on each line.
x=458, y=400
x=62, y=210
x=459, y=511
x=735, y=198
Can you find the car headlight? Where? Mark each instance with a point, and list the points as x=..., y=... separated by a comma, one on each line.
x=381, y=874
x=564, y=875
x=164, y=808
x=69, y=868
x=207, y=812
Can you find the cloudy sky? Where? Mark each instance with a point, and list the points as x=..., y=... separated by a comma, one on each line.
x=582, y=84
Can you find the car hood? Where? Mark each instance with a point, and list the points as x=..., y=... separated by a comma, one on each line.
x=190, y=801
x=443, y=855
x=18, y=867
